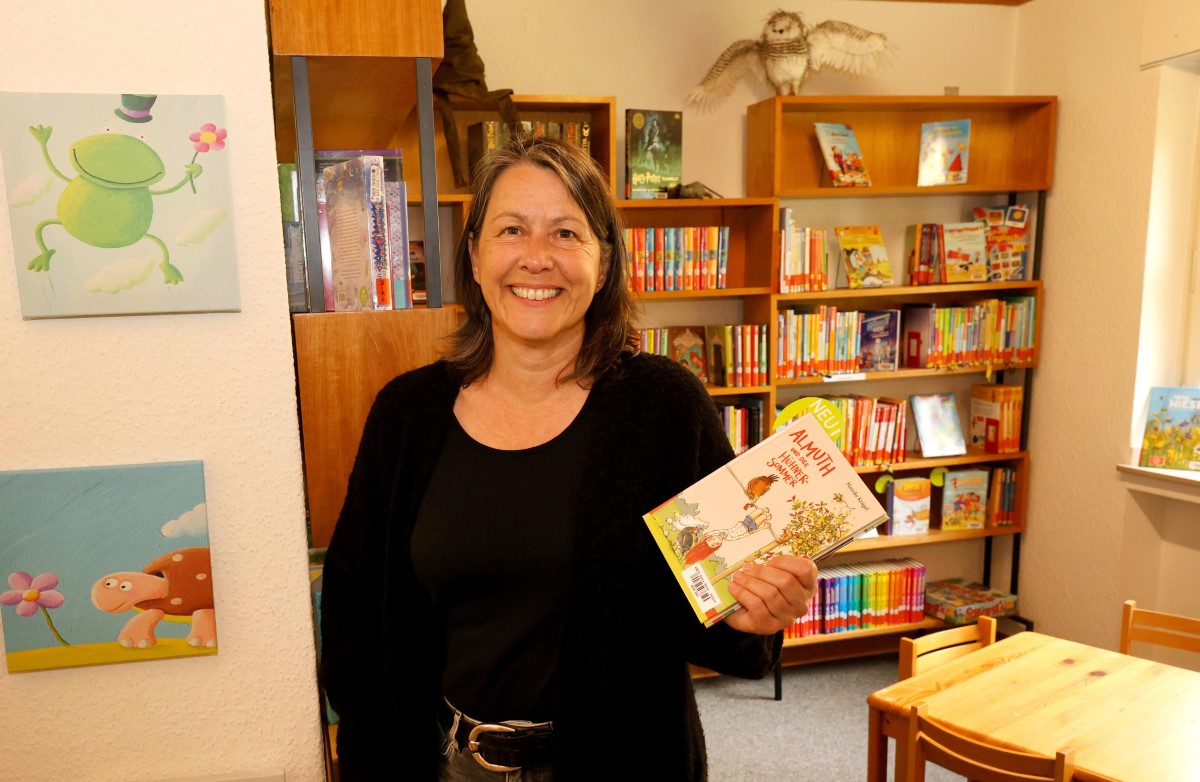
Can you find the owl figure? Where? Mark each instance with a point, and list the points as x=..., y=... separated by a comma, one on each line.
x=787, y=53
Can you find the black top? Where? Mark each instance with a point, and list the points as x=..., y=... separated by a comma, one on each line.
x=491, y=545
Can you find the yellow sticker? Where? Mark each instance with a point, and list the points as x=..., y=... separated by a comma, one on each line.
x=826, y=413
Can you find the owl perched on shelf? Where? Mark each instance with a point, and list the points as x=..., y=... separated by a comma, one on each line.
x=787, y=53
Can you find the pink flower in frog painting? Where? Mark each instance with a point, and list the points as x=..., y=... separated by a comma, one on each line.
x=208, y=137
x=29, y=594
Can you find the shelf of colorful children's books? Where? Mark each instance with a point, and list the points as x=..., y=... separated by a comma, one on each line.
x=884, y=191
x=928, y=623
x=736, y=390
x=875, y=298
x=859, y=377
x=715, y=293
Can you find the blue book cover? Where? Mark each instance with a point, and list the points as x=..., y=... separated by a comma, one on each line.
x=1172, y=437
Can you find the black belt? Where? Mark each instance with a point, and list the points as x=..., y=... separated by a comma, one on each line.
x=499, y=746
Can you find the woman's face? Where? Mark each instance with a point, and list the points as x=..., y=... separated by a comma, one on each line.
x=536, y=260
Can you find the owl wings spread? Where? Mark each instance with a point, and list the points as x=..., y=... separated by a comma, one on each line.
x=786, y=65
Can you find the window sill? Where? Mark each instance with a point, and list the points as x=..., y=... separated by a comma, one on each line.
x=1181, y=485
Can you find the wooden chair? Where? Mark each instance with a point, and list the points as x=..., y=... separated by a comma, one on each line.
x=931, y=742
x=919, y=654
x=1157, y=627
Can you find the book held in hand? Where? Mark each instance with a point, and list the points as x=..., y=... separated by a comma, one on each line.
x=944, y=153
x=793, y=493
x=843, y=158
x=1172, y=437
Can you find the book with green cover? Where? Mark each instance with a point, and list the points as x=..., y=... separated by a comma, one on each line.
x=793, y=493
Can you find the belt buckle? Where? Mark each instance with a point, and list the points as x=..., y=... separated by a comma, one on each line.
x=473, y=744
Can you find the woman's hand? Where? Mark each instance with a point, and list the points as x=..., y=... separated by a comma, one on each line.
x=773, y=596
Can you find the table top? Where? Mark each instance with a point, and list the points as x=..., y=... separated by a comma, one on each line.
x=1127, y=718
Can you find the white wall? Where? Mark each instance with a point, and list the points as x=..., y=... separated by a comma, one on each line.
x=215, y=387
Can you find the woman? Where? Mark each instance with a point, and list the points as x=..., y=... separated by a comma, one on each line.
x=490, y=563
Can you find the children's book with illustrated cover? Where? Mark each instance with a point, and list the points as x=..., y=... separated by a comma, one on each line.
x=964, y=498
x=964, y=249
x=358, y=234
x=944, y=152
x=653, y=152
x=687, y=348
x=843, y=158
x=1007, y=238
x=909, y=503
x=793, y=493
x=939, y=429
x=864, y=257
x=1172, y=437
x=879, y=340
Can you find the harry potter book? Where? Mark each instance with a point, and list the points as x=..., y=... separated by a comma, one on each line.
x=793, y=493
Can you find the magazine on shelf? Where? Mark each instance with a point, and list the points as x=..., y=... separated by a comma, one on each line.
x=793, y=493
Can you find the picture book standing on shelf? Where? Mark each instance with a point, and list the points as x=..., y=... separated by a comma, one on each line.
x=843, y=158
x=653, y=152
x=964, y=498
x=864, y=257
x=1172, y=437
x=939, y=429
x=358, y=234
x=944, y=152
x=1007, y=240
x=793, y=493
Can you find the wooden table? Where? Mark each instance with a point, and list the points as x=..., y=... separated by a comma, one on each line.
x=1128, y=719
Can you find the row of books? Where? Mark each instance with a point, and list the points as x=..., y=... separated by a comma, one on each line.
x=987, y=332
x=1002, y=501
x=865, y=595
x=725, y=355
x=368, y=261
x=874, y=428
x=804, y=256
x=942, y=158
x=743, y=422
x=680, y=258
x=968, y=498
x=483, y=137
x=994, y=247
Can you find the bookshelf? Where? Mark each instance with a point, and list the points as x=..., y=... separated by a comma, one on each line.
x=1012, y=155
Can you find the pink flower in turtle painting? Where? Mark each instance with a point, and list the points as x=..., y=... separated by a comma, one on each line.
x=29, y=594
x=208, y=137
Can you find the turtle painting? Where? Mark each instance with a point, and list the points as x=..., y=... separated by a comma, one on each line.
x=177, y=584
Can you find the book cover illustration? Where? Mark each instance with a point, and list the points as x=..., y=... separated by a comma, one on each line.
x=879, y=340
x=944, y=153
x=864, y=257
x=964, y=498
x=793, y=493
x=687, y=348
x=909, y=504
x=358, y=237
x=653, y=152
x=939, y=429
x=1172, y=437
x=965, y=251
x=843, y=158
x=1007, y=239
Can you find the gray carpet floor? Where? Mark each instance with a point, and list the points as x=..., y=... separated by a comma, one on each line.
x=817, y=733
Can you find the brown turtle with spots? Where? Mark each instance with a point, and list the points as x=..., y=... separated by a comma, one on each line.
x=177, y=584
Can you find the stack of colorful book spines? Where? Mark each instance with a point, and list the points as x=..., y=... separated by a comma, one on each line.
x=862, y=596
x=803, y=256
x=683, y=258
x=991, y=331
x=818, y=340
x=1002, y=500
x=874, y=429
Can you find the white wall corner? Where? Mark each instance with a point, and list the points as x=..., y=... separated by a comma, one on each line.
x=1170, y=29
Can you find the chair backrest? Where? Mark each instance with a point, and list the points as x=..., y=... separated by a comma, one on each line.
x=1157, y=627
x=932, y=742
x=920, y=654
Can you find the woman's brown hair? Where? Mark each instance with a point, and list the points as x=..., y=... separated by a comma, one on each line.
x=608, y=323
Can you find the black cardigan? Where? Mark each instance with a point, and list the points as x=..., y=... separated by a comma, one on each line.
x=624, y=687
